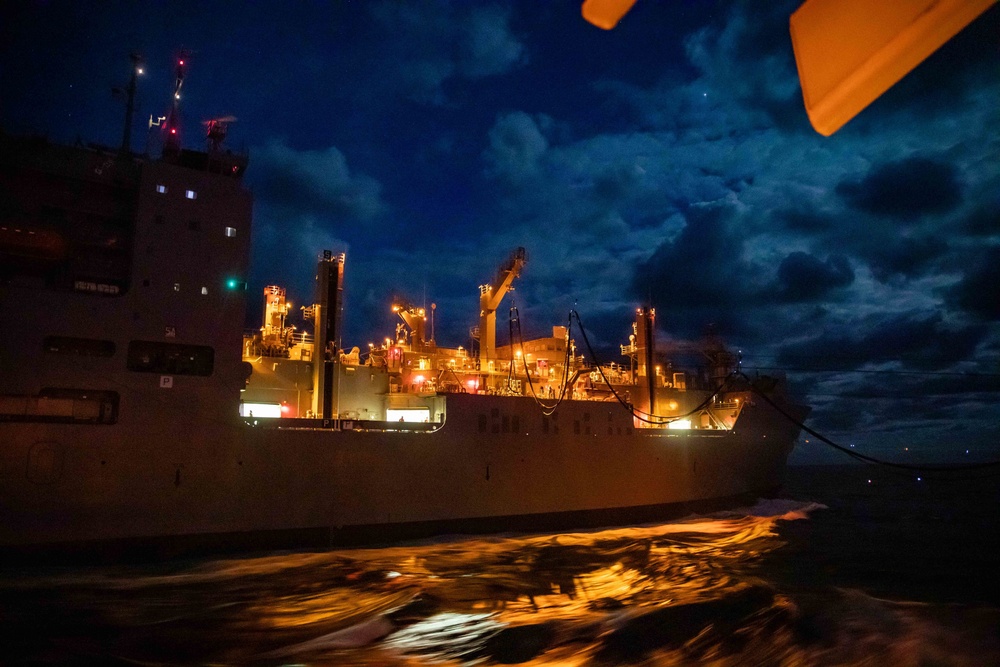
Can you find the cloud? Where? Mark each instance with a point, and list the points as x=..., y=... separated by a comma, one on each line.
x=984, y=220
x=978, y=292
x=426, y=45
x=905, y=189
x=904, y=256
x=804, y=277
x=915, y=340
x=516, y=146
x=702, y=276
x=751, y=59
x=313, y=181
x=487, y=47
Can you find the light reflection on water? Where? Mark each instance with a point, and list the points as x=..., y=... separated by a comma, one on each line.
x=675, y=593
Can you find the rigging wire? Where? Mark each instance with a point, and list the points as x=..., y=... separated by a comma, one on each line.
x=926, y=468
x=649, y=418
x=738, y=373
x=547, y=410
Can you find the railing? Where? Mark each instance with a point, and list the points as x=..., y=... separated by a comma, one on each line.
x=341, y=424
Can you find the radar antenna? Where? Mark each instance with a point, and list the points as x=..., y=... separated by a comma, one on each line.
x=215, y=131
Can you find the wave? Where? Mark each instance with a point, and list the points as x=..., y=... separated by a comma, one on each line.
x=705, y=588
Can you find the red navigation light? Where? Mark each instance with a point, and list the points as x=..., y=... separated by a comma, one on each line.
x=180, y=62
x=173, y=130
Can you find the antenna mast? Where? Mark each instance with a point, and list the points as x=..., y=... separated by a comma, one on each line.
x=172, y=139
x=130, y=102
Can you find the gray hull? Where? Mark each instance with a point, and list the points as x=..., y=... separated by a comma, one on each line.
x=146, y=480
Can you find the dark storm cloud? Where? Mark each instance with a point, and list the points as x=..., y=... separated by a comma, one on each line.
x=700, y=277
x=907, y=257
x=804, y=277
x=979, y=290
x=905, y=189
x=984, y=220
x=804, y=221
x=699, y=266
x=919, y=341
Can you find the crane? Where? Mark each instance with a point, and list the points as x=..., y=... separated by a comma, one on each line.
x=416, y=320
x=490, y=296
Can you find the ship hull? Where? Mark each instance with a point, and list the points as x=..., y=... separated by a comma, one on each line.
x=147, y=486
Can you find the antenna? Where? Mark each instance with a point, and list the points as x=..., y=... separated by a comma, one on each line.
x=216, y=130
x=171, y=129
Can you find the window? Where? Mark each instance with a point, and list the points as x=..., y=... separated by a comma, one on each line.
x=482, y=423
x=162, y=189
x=58, y=405
x=85, y=347
x=204, y=290
x=230, y=232
x=170, y=358
x=190, y=194
x=177, y=287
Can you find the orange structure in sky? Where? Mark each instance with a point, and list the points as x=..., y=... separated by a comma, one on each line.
x=848, y=52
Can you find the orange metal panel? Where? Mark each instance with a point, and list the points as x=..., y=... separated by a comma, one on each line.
x=849, y=52
x=606, y=13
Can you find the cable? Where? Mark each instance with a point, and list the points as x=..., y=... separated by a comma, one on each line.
x=871, y=459
x=547, y=410
x=932, y=469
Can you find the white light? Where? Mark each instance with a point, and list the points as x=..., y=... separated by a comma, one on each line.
x=260, y=409
x=680, y=424
x=230, y=232
x=418, y=415
x=190, y=194
x=139, y=71
x=161, y=189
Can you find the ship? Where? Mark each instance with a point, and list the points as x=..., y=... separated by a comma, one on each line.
x=139, y=419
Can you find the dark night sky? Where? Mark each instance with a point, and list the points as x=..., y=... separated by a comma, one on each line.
x=670, y=159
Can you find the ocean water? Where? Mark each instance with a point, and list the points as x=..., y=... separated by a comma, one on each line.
x=853, y=566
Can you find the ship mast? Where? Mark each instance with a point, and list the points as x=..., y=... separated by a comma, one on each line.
x=130, y=103
x=645, y=344
x=172, y=139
